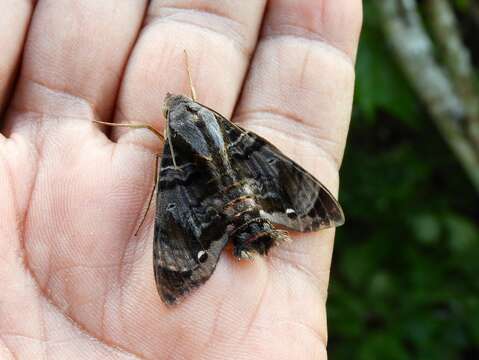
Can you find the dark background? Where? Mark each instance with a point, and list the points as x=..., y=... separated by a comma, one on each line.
x=405, y=276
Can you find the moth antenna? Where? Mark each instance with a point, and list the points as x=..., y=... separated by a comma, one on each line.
x=155, y=182
x=192, y=88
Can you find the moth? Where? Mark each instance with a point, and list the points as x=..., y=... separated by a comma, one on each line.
x=219, y=183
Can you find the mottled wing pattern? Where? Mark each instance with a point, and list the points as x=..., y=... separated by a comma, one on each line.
x=289, y=195
x=187, y=225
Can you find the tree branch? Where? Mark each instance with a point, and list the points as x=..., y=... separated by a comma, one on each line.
x=457, y=58
x=414, y=48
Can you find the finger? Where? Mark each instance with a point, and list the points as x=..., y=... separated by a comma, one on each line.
x=304, y=98
x=74, y=57
x=14, y=20
x=298, y=94
x=219, y=37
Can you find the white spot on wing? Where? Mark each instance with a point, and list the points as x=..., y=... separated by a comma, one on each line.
x=202, y=256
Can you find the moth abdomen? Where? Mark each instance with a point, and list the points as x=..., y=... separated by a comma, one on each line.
x=247, y=228
x=249, y=231
x=256, y=235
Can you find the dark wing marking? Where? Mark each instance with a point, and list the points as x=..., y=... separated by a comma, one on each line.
x=187, y=224
x=288, y=194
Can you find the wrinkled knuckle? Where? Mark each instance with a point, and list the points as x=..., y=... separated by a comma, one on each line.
x=219, y=25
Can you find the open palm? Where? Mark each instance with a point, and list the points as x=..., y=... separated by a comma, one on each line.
x=75, y=282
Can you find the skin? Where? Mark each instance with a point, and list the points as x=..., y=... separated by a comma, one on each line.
x=75, y=282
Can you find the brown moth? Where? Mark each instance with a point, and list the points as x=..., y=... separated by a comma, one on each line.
x=220, y=183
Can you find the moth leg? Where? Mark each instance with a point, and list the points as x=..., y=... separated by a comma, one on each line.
x=133, y=126
x=243, y=251
x=155, y=183
x=192, y=88
x=246, y=255
x=172, y=152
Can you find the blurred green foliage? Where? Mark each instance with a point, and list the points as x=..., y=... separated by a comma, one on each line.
x=405, y=277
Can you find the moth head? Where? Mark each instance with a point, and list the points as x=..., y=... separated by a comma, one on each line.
x=171, y=101
x=193, y=127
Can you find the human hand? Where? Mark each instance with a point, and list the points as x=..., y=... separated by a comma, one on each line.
x=76, y=282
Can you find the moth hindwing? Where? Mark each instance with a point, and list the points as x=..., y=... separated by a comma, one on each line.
x=219, y=183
